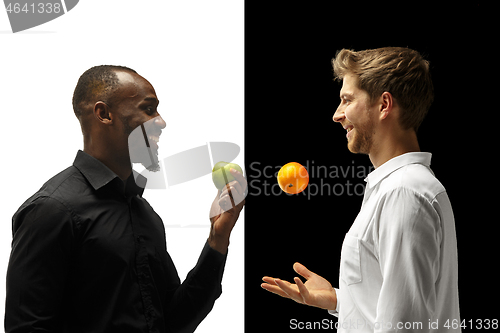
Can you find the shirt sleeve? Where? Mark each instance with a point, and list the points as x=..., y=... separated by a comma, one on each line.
x=190, y=302
x=337, y=308
x=408, y=249
x=41, y=250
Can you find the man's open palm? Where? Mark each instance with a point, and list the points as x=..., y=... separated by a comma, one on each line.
x=317, y=291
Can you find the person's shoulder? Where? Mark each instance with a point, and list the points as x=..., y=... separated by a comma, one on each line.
x=56, y=193
x=416, y=178
x=408, y=203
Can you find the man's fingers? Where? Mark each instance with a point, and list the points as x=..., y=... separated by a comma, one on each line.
x=283, y=285
x=232, y=195
x=269, y=280
x=239, y=184
x=298, y=291
x=236, y=189
x=304, y=293
x=232, y=192
x=272, y=287
x=289, y=289
x=302, y=270
x=226, y=200
x=240, y=178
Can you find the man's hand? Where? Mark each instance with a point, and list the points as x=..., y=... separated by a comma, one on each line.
x=317, y=291
x=225, y=211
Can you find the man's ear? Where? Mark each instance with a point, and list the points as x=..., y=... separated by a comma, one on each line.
x=386, y=104
x=101, y=112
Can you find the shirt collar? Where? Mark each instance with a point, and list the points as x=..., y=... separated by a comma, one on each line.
x=395, y=163
x=99, y=175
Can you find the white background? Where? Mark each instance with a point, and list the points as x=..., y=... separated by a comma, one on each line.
x=191, y=51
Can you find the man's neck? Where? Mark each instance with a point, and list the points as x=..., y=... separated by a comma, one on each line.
x=122, y=167
x=389, y=147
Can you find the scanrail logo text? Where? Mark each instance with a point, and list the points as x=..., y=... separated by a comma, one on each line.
x=28, y=14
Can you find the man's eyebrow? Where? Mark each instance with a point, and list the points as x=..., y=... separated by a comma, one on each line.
x=346, y=94
x=151, y=99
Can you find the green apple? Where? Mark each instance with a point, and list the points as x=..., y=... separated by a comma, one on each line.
x=221, y=174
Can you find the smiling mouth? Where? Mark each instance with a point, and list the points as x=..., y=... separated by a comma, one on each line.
x=147, y=138
x=348, y=128
x=154, y=138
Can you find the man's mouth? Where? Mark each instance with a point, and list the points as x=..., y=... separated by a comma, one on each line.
x=153, y=141
x=150, y=139
x=154, y=138
x=348, y=128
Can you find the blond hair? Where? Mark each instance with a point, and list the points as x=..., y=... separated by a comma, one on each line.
x=400, y=71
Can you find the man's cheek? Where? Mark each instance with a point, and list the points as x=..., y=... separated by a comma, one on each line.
x=349, y=114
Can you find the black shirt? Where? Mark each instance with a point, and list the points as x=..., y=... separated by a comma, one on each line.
x=89, y=255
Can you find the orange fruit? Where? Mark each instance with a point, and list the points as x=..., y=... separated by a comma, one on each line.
x=293, y=178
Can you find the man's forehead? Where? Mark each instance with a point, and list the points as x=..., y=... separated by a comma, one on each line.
x=134, y=85
x=125, y=77
x=349, y=85
x=127, y=86
x=350, y=81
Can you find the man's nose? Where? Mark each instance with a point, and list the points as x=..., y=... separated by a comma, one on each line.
x=339, y=115
x=159, y=122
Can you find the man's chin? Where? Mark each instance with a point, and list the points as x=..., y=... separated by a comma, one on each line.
x=359, y=147
x=152, y=164
x=351, y=145
x=153, y=167
x=148, y=160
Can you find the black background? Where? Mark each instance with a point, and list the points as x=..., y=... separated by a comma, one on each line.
x=290, y=98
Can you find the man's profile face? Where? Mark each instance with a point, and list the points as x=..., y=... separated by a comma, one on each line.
x=143, y=144
x=354, y=115
x=142, y=124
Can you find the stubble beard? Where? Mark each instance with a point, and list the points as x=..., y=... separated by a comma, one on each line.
x=153, y=165
x=361, y=141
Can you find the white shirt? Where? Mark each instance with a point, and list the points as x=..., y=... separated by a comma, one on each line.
x=398, y=265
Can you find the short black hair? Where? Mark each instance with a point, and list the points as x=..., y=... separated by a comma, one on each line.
x=96, y=83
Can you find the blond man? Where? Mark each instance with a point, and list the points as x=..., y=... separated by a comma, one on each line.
x=398, y=267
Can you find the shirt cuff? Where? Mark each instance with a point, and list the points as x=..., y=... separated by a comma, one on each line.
x=211, y=262
x=217, y=256
x=336, y=311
